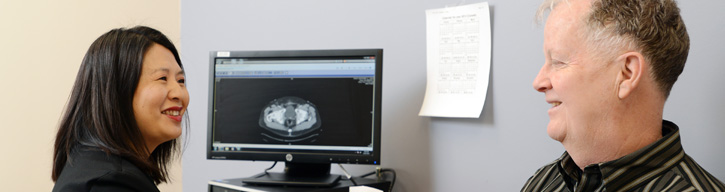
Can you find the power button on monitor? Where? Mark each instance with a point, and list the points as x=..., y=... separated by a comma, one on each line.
x=288, y=157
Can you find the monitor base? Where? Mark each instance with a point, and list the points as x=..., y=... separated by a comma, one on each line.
x=290, y=180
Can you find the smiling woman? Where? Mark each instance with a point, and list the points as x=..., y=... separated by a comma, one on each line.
x=119, y=129
x=161, y=97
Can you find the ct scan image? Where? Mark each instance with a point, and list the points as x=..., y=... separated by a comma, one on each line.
x=300, y=111
x=290, y=117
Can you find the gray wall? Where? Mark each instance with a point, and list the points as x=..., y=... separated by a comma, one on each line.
x=496, y=152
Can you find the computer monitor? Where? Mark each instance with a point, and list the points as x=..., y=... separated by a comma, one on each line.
x=308, y=108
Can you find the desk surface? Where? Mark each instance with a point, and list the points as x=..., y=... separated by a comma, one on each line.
x=234, y=185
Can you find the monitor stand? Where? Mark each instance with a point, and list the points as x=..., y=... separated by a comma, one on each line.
x=297, y=174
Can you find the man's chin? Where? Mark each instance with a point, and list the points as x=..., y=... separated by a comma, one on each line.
x=556, y=132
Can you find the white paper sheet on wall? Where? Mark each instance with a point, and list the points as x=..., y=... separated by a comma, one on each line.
x=459, y=61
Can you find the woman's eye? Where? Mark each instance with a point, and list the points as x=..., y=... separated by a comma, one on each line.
x=162, y=78
x=182, y=81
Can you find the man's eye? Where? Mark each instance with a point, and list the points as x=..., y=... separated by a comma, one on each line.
x=182, y=81
x=557, y=63
x=162, y=78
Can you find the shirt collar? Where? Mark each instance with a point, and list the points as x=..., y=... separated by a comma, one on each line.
x=639, y=166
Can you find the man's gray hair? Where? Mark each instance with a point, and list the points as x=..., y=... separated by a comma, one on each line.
x=652, y=27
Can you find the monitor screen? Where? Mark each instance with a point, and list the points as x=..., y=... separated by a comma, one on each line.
x=307, y=106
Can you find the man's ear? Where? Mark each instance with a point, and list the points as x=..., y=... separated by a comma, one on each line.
x=632, y=71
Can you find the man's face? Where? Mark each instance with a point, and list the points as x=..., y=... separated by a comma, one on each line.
x=579, y=86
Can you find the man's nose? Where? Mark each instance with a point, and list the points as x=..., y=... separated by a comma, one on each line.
x=541, y=82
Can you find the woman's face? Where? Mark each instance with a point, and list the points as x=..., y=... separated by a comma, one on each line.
x=161, y=97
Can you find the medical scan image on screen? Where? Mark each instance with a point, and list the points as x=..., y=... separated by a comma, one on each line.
x=300, y=104
x=290, y=117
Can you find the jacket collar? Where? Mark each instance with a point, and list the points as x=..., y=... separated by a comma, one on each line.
x=627, y=172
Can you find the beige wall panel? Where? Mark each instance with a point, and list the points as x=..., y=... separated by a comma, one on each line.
x=42, y=44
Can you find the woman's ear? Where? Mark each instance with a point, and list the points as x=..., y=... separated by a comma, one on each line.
x=632, y=69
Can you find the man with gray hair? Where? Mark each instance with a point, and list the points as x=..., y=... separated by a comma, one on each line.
x=610, y=66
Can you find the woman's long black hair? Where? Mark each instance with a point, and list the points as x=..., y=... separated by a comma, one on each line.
x=99, y=112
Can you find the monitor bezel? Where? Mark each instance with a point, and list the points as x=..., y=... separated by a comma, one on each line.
x=300, y=157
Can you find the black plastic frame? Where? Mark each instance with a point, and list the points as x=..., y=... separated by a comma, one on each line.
x=301, y=157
